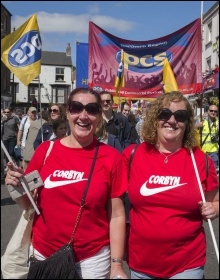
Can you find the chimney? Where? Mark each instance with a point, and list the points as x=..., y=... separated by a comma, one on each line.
x=68, y=50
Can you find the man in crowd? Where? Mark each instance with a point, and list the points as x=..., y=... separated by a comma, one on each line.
x=125, y=108
x=24, y=128
x=210, y=134
x=116, y=124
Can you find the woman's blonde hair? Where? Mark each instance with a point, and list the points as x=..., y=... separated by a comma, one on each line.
x=101, y=132
x=149, y=131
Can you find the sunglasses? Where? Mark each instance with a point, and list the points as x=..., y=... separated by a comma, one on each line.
x=76, y=107
x=107, y=101
x=213, y=111
x=180, y=115
x=53, y=110
x=7, y=112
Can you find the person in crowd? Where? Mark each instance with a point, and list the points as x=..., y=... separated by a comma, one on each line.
x=216, y=69
x=210, y=134
x=139, y=124
x=125, y=108
x=59, y=128
x=32, y=134
x=166, y=238
x=99, y=254
x=116, y=124
x=46, y=133
x=9, y=129
x=24, y=129
x=20, y=114
x=134, y=135
x=136, y=113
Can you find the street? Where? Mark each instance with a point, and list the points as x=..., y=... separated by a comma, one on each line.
x=10, y=214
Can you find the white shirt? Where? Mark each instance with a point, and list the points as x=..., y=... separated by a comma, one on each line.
x=24, y=126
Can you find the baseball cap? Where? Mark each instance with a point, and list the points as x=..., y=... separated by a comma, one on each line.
x=31, y=109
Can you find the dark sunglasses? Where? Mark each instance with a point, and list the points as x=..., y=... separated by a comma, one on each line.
x=107, y=101
x=76, y=107
x=180, y=115
x=213, y=111
x=53, y=110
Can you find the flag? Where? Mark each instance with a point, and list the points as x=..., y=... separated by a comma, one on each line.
x=119, y=80
x=169, y=81
x=21, y=51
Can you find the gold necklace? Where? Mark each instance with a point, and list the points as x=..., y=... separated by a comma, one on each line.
x=166, y=157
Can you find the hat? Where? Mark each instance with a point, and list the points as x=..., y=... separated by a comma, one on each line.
x=31, y=109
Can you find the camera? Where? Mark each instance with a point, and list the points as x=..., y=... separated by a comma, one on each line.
x=215, y=138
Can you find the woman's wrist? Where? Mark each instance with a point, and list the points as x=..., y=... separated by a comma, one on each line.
x=117, y=260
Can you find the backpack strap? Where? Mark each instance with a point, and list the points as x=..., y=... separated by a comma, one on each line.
x=49, y=150
x=131, y=158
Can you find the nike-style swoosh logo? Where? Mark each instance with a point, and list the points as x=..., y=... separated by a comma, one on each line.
x=145, y=191
x=48, y=184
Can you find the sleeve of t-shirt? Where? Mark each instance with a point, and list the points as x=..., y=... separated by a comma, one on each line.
x=37, y=160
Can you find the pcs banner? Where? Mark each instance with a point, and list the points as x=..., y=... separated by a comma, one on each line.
x=144, y=61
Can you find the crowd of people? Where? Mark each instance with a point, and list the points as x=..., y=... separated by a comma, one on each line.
x=23, y=133
x=159, y=181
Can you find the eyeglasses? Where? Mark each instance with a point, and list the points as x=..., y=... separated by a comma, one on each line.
x=107, y=101
x=180, y=115
x=6, y=112
x=213, y=111
x=76, y=107
x=53, y=110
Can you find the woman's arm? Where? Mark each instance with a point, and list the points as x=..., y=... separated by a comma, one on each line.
x=210, y=209
x=117, y=234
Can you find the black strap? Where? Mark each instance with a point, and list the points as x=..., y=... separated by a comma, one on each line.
x=90, y=176
x=82, y=203
x=131, y=158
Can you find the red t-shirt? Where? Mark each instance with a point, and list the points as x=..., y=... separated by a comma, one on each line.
x=166, y=234
x=65, y=174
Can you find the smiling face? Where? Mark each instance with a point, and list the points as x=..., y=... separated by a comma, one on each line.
x=107, y=102
x=171, y=132
x=126, y=110
x=83, y=124
x=54, y=112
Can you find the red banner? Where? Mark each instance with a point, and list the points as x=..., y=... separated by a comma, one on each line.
x=143, y=61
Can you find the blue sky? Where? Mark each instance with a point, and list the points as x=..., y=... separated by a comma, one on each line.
x=63, y=22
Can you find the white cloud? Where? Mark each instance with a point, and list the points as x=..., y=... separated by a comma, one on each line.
x=78, y=24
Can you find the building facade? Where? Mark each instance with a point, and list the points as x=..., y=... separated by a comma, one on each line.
x=210, y=52
x=6, y=94
x=53, y=84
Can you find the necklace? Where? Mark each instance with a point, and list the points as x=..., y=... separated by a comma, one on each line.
x=166, y=157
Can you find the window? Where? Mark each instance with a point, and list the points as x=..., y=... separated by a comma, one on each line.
x=209, y=32
x=33, y=90
x=59, y=74
x=208, y=63
x=4, y=24
x=58, y=95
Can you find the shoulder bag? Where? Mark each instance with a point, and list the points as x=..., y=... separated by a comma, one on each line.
x=61, y=265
